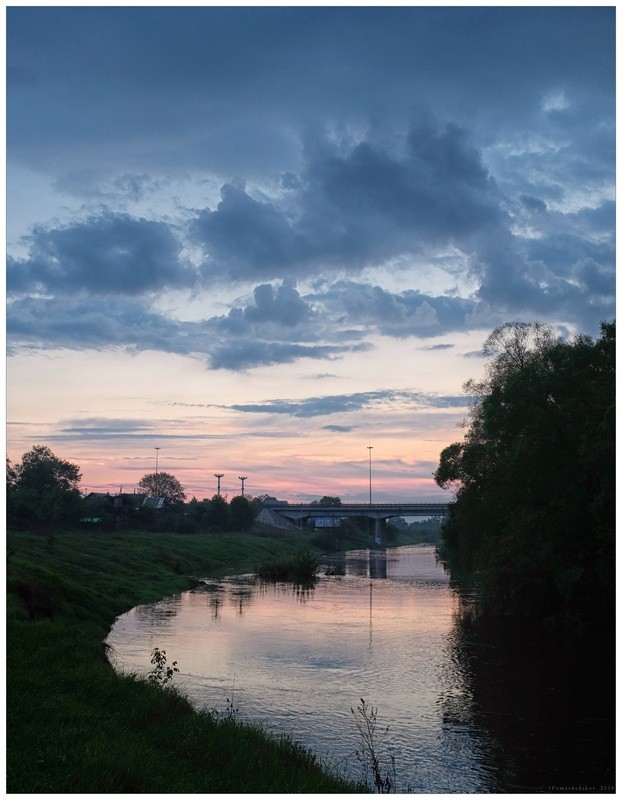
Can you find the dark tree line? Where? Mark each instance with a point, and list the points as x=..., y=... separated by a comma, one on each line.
x=42, y=489
x=197, y=516
x=535, y=509
x=219, y=515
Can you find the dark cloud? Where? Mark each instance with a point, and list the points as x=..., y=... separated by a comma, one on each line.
x=249, y=238
x=464, y=141
x=121, y=84
x=338, y=428
x=278, y=327
x=597, y=279
x=93, y=184
x=103, y=429
x=361, y=205
x=100, y=323
x=317, y=406
x=400, y=315
x=356, y=209
x=281, y=306
x=533, y=204
x=347, y=403
x=113, y=254
x=244, y=354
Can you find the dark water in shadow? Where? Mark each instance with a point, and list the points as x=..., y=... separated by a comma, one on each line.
x=468, y=709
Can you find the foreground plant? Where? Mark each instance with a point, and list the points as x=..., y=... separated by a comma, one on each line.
x=366, y=720
x=161, y=673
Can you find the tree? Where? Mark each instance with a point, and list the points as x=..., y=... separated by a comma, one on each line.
x=11, y=476
x=217, y=515
x=43, y=486
x=509, y=348
x=162, y=484
x=327, y=500
x=534, y=511
x=241, y=514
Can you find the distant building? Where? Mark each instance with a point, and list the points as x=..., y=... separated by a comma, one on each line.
x=115, y=507
x=153, y=502
x=327, y=522
x=94, y=498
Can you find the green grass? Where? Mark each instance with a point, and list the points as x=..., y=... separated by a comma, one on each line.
x=74, y=725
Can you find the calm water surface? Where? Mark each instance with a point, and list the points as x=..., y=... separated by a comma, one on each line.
x=463, y=714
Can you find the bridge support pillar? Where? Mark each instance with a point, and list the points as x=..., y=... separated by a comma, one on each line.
x=377, y=532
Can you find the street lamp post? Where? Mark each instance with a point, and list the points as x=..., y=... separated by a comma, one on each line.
x=157, y=488
x=370, y=448
x=242, y=478
x=218, y=475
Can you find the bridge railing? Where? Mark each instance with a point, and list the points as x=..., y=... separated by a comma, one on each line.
x=361, y=506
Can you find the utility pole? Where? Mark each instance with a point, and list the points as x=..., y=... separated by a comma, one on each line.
x=370, y=449
x=157, y=487
x=242, y=478
x=218, y=475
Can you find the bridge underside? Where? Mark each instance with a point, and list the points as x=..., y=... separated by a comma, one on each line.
x=377, y=515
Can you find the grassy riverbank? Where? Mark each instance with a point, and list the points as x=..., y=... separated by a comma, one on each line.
x=76, y=726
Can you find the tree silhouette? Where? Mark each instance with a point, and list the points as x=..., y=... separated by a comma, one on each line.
x=43, y=486
x=241, y=514
x=535, y=509
x=162, y=484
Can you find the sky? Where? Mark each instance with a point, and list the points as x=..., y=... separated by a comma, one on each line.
x=267, y=239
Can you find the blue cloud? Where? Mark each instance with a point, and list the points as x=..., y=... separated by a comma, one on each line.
x=113, y=254
x=347, y=403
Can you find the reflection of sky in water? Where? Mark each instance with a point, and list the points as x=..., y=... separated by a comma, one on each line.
x=298, y=661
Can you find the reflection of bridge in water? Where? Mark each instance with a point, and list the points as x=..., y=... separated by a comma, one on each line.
x=377, y=513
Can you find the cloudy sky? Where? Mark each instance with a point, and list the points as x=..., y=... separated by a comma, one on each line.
x=266, y=239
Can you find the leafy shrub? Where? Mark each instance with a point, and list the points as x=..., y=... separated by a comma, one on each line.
x=299, y=568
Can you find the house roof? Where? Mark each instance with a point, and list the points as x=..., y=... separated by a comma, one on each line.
x=153, y=502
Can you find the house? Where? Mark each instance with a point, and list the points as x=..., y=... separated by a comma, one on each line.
x=153, y=502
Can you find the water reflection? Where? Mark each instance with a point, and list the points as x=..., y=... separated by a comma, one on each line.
x=240, y=598
x=160, y=614
x=215, y=603
x=542, y=699
x=377, y=563
x=467, y=711
x=301, y=591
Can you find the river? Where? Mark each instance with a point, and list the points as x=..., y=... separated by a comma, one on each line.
x=457, y=709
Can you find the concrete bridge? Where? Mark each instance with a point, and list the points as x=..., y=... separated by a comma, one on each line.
x=377, y=513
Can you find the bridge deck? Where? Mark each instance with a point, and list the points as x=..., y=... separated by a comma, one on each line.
x=375, y=510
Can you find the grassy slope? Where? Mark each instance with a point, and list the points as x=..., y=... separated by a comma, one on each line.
x=76, y=726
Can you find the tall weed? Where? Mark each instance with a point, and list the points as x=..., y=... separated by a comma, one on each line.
x=366, y=720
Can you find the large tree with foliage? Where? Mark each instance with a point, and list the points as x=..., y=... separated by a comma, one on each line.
x=162, y=484
x=327, y=500
x=534, y=510
x=43, y=487
x=217, y=515
x=241, y=514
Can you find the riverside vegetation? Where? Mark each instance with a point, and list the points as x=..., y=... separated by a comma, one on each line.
x=74, y=725
x=534, y=514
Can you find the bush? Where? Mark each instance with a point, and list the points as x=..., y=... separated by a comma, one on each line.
x=299, y=568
